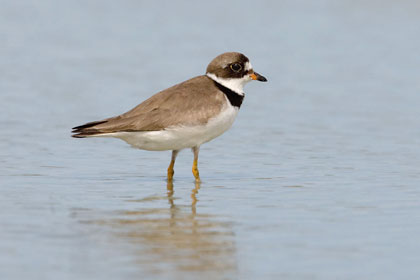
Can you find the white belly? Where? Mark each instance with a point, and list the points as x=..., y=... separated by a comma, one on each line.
x=180, y=137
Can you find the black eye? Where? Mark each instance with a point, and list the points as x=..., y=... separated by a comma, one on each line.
x=236, y=67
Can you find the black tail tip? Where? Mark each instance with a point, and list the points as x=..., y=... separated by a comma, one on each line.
x=78, y=136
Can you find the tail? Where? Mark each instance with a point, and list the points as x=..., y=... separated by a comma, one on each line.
x=86, y=130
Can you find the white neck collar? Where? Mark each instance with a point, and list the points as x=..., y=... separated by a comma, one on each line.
x=236, y=85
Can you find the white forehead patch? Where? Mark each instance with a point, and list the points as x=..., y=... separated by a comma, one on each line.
x=248, y=65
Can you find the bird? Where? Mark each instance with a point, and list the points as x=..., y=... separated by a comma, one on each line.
x=185, y=115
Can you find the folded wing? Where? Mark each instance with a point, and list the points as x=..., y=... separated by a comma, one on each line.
x=192, y=102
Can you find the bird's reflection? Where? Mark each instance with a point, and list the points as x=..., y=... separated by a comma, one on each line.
x=176, y=238
x=194, y=192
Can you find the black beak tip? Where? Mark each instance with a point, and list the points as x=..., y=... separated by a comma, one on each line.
x=262, y=79
x=259, y=77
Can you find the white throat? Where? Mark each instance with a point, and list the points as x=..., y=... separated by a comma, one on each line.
x=234, y=84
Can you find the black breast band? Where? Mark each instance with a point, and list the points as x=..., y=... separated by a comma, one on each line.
x=234, y=98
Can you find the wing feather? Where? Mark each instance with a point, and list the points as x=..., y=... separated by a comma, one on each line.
x=192, y=102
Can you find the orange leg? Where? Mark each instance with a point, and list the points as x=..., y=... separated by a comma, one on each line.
x=171, y=165
x=195, y=164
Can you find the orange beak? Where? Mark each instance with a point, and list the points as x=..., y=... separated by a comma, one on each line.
x=258, y=77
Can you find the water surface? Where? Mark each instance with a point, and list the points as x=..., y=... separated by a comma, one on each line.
x=317, y=179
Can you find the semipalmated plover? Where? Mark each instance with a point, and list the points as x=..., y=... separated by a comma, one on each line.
x=185, y=115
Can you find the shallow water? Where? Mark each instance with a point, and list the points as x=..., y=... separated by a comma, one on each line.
x=318, y=178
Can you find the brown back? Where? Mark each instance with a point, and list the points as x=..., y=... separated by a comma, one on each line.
x=190, y=103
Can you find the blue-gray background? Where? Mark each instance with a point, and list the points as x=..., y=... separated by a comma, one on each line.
x=318, y=178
